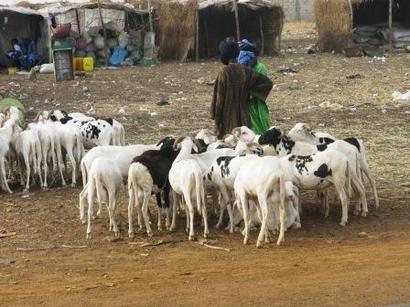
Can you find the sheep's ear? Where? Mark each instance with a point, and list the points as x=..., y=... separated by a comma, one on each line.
x=36, y=119
x=236, y=131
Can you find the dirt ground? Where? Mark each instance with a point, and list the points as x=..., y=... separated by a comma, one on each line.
x=49, y=262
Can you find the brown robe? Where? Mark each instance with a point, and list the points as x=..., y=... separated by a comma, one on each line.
x=233, y=87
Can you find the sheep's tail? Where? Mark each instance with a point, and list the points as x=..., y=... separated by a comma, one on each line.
x=122, y=136
x=200, y=193
x=84, y=172
x=80, y=146
x=348, y=182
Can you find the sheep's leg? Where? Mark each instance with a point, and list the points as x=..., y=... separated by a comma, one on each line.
x=245, y=210
x=100, y=196
x=222, y=206
x=167, y=205
x=28, y=172
x=373, y=184
x=3, y=175
x=74, y=168
x=230, y=214
x=205, y=218
x=45, y=166
x=90, y=198
x=362, y=194
x=147, y=195
x=111, y=212
x=159, y=205
x=83, y=197
x=190, y=209
x=62, y=163
x=138, y=205
x=325, y=202
x=131, y=203
x=175, y=201
x=264, y=207
x=344, y=202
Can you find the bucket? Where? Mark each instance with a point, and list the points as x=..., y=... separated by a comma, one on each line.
x=88, y=64
x=78, y=64
x=12, y=70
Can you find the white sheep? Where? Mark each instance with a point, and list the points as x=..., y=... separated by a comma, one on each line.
x=28, y=147
x=322, y=170
x=303, y=133
x=284, y=145
x=185, y=177
x=6, y=136
x=257, y=180
x=106, y=183
x=122, y=155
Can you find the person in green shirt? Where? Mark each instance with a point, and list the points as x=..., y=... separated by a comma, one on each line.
x=258, y=110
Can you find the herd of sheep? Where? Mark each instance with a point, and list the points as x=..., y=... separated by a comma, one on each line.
x=255, y=178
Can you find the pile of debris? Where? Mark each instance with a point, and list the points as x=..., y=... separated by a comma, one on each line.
x=377, y=36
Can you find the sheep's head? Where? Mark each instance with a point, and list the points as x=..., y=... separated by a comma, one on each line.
x=207, y=136
x=230, y=139
x=255, y=148
x=301, y=130
x=187, y=141
x=244, y=134
x=2, y=119
x=167, y=143
x=273, y=136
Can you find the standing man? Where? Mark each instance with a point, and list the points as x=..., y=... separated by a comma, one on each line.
x=233, y=88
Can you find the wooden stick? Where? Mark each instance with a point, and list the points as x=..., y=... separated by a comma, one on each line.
x=28, y=249
x=105, y=33
x=262, y=35
x=5, y=235
x=391, y=25
x=78, y=21
x=235, y=8
x=204, y=243
x=74, y=247
x=197, y=36
x=160, y=242
x=151, y=27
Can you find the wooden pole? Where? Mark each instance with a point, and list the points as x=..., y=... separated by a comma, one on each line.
x=151, y=27
x=391, y=25
x=351, y=14
x=50, y=40
x=105, y=33
x=262, y=35
x=197, y=36
x=78, y=21
x=235, y=8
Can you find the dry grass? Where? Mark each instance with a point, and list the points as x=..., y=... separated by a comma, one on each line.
x=177, y=28
x=333, y=22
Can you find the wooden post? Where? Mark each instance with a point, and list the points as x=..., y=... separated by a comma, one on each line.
x=50, y=40
x=262, y=50
x=151, y=27
x=105, y=33
x=391, y=25
x=351, y=14
x=78, y=21
x=197, y=36
x=205, y=25
x=235, y=8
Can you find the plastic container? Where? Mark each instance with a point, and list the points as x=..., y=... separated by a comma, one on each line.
x=78, y=64
x=12, y=70
x=88, y=64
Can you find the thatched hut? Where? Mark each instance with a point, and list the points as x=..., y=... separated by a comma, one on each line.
x=196, y=27
x=343, y=24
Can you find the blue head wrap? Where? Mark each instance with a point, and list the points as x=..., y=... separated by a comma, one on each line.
x=247, y=58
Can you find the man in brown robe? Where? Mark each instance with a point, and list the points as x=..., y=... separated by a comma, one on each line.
x=233, y=87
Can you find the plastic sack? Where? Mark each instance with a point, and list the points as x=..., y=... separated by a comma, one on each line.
x=81, y=43
x=118, y=56
x=149, y=44
x=123, y=40
x=62, y=31
x=47, y=68
x=99, y=42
